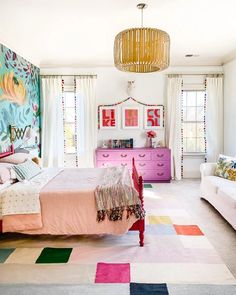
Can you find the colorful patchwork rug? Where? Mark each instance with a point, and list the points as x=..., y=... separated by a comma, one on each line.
x=177, y=259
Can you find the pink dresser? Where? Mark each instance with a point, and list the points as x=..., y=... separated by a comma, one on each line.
x=152, y=163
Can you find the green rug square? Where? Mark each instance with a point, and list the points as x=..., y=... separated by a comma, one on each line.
x=147, y=185
x=54, y=255
x=4, y=254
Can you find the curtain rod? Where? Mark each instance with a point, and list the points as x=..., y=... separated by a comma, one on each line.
x=68, y=75
x=216, y=74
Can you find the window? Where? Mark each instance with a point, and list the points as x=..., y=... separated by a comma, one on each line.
x=69, y=127
x=193, y=121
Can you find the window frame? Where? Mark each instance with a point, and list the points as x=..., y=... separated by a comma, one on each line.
x=68, y=89
x=186, y=153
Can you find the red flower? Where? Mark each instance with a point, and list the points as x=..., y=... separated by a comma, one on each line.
x=151, y=134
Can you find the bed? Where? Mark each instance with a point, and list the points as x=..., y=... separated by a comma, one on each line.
x=68, y=207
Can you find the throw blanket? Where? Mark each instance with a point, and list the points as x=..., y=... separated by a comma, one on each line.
x=23, y=197
x=116, y=194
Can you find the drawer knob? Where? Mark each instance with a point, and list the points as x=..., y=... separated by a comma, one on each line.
x=160, y=156
x=123, y=164
x=105, y=155
x=160, y=165
x=141, y=156
x=160, y=174
x=142, y=164
x=123, y=156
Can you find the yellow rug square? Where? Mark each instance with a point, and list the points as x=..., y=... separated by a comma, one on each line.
x=159, y=220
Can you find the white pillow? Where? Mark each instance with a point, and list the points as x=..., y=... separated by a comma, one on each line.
x=16, y=158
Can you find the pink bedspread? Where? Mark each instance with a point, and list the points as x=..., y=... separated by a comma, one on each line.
x=68, y=208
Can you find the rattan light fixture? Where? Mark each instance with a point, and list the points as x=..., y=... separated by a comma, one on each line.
x=142, y=50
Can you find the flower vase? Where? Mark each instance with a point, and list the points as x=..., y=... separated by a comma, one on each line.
x=149, y=145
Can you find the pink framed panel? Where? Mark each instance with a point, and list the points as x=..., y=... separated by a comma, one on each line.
x=131, y=117
x=9, y=151
x=108, y=117
x=153, y=117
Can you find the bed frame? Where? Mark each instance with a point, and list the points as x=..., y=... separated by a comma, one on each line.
x=8, y=152
x=139, y=225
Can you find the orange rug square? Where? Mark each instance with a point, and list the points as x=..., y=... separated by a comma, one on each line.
x=188, y=230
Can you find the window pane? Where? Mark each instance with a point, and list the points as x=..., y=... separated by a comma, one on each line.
x=191, y=114
x=69, y=130
x=69, y=99
x=200, y=98
x=185, y=129
x=200, y=145
x=191, y=98
x=185, y=144
x=191, y=145
x=70, y=114
x=200, y=113
x=70, y=160
x=191, y=130
x=70, y=149
x=184, y=113
x=184, y=98
x=200, y=129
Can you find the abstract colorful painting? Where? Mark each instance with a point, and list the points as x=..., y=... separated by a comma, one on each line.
x=108, y=117
x=19, y=96
x=130, y=117
x=153, y=117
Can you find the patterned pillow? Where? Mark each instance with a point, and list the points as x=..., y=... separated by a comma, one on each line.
x=226, y=167
x=26, y=170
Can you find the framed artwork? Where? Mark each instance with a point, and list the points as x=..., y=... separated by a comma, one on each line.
x=131, y=117
x=153, y=117
x=108, y=117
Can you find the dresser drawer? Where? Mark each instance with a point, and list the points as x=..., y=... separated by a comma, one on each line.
x=115, y=155
x=161, y=154
x=107, y=163
x=152, y=165
x=154, y=174
x=142, y=155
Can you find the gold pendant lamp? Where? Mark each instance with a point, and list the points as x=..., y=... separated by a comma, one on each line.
x=142, y=50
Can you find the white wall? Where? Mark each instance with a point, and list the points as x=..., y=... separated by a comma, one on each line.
x=149, y=88
x=112, y=88
x=230, y=108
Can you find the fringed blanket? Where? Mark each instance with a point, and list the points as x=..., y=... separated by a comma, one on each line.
x=116, y=194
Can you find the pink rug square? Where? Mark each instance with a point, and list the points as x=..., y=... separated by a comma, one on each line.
x=188, y=230
x=112, y=273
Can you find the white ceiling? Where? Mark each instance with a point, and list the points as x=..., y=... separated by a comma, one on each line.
x=81, y=33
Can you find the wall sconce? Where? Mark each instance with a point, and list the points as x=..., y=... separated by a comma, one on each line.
x=18, y=133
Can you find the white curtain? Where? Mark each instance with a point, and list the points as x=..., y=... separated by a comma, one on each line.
x=87, y=121
x=214, y=117
x=52, y=122
x=173, y=123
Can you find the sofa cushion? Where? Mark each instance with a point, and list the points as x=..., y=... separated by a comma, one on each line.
x=213, y=183
x=226, y=167
x=228, y=196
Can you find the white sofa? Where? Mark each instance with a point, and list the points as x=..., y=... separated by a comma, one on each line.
x=219, y=192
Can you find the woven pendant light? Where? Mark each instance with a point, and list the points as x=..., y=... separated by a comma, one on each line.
x=142, y=50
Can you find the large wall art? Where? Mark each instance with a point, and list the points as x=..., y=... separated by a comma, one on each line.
x=19, y=97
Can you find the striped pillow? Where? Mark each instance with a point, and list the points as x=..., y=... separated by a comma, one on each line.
x=26, y=170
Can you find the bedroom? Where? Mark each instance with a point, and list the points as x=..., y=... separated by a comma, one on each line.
x=65, y=103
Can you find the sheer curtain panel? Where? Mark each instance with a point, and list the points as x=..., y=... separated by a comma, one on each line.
x=87, y=120
x=52, y=122
x=214, y=117
x=173, y=123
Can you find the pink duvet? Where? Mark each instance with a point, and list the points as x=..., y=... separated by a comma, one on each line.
x=68, y=208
